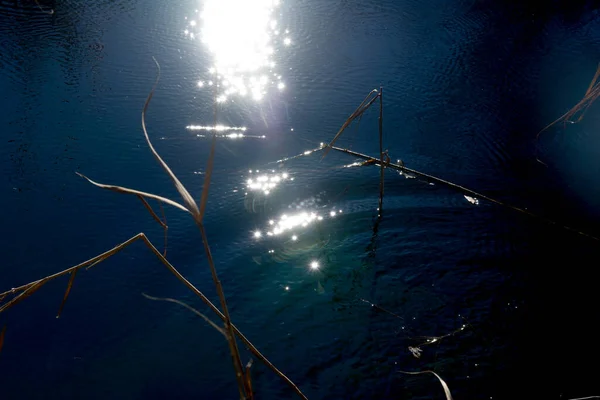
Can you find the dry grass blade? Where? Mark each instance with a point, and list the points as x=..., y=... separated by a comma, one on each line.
x=591, y=95
x=151, y=211
x=366, y=103
x=249, y=379
x=26, y=293
x=188, y=200
x=178, y=275
x=162, y=210
x=207, y=176
x=157, y=219
x=381, y=177
x=444, y=385
x=2, y=338
x=192, y=309
x=233, y=347
x=91, y=261
x=586, y=398
x=69, y=286
x=121, y=189
x=49, y=12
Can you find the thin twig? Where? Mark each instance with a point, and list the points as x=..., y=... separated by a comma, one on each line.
x=381, y=308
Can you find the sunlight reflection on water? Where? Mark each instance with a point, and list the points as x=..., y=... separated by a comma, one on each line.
x=243, y=37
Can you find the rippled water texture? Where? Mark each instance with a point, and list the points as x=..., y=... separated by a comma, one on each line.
x=500, y=305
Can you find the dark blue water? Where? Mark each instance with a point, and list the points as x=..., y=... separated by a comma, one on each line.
x=467, y=86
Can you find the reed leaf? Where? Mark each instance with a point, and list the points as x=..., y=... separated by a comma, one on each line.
x=192, y=309
x=121, y=189
x=69, y=286
x=444, y=385
x=188, y=200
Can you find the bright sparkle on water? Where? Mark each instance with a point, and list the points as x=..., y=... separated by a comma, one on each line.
x=241, y=35
x=265, y=182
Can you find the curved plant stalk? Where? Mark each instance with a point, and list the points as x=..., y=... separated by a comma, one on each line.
x=366, y=103
x=32, y=286
x=444, y=385
x=591, y=94
x=192, y=207
x=192, y=309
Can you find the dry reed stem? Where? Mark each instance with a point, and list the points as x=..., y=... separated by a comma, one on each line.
x=591, y=94
x=156, y=218
x=50, y=12
x=69, y=286
x=249, y=378
x=178, y=275
x=381, y=178
x=464, y=190
x=366, y=103
x=192, y=309
x=192, y=208
x=26, y=293
x=444, y=385
x=2, y=337
x=162, y=210
x=207, y=176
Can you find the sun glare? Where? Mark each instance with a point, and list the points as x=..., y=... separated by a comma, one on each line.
x=242, y=37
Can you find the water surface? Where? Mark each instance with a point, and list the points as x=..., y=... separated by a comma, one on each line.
x=301, y=254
